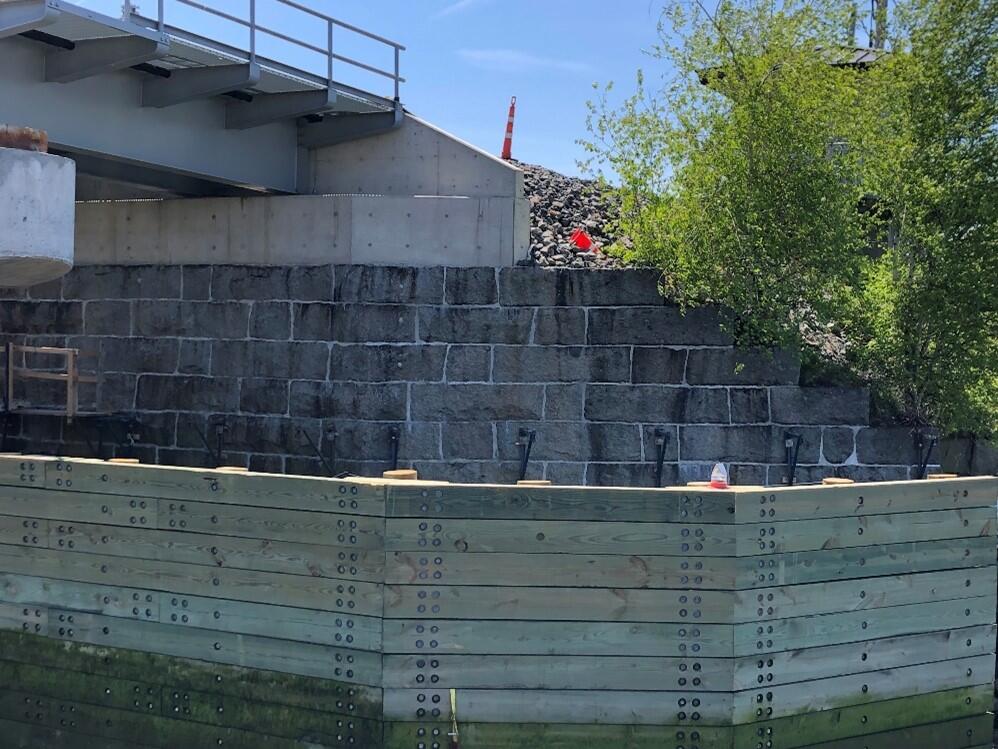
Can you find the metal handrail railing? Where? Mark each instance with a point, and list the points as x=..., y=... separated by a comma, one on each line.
x=331, y=24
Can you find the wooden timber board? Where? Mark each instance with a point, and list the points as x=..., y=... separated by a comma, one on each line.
x=268, y=620
x=327, y=594
x=685, y=504
x=70, y=475
x=701, y=674
x=691, y=607
x=268, y=555
x=669, y=572
x=175, y=673
x=685, y=707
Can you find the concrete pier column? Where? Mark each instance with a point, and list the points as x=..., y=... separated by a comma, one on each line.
x=37, y=213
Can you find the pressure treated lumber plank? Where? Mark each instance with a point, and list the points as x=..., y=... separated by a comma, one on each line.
x=496, y=637
x=180, y=674
x=267, y=653
x=327, y=594
x=798, y=568
x=268, y=620
x=24, y=531
x=551, y=536
x=560, y=503
x=560, y=706
x=264, y=555
x=805, y=664
x=695, y=675
x=669, y=572
x=557, y=672
x=783, y=602
x=95, y=721
x=804, y=502
x=31, y=736
x=77, y=507
x=858, y=689
x=965, y=732
x=183, y=704
x=752, y=638
x=356, y=497
x=842, y=533
x=330, y=528
x=566, y=604
x=842, y=723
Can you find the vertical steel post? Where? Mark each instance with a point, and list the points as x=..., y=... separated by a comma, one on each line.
x=329, y=47
x=160, y=23
x=252, y=30
x=397, y=55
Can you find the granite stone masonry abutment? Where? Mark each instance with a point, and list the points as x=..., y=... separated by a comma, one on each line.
x=458, y=360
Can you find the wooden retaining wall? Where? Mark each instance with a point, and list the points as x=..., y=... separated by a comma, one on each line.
x=144, y=606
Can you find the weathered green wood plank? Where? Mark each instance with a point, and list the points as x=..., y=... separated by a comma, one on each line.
x=96, y=721
x=571, y=604
x=251, y=651
x=804, y=502
x=690, y=674
x=677, y=505
x=868, y=561
x=842, y=533
x=966, y=732
x=358, y=497
x=24, y=531
x=179, y=674
x=664, y=572
x=496, y=637
x=283, y=622
x=558, y=672
x=586, y=706
x=329, y=528
x=555, y=536
x=752, y=638
x=842, y=723
x=871, y=655
x=328, y=594
x=769, y=702
x=691, y=607
x=265, y=555
x=77, y=507
x=941, y=717
x=784, y=602
x=514, y=735
x=31, y=736
x=184, y=704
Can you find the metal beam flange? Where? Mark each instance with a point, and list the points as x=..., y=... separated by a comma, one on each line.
x=91, y=57
x=18, y=16
x=267, y=108
x=187, y=84
x=342, y=128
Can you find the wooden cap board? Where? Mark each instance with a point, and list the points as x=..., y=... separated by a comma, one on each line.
x=533, y=482
x=936, y=476
x=233, y=469
x=402, y=474
x=835, y=481
x=124, y=461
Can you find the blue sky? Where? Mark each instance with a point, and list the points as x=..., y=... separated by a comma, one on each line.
x=466, y=58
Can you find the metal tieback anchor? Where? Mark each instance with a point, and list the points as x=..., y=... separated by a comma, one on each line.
x=924, y=445
x=525, y=441
x=661, y=442
x=792, y=443
x=394, y=438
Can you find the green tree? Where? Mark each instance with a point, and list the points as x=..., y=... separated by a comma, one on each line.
x=930, y=302
x=812, y=195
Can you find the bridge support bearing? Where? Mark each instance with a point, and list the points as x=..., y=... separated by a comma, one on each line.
x=37, y=209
